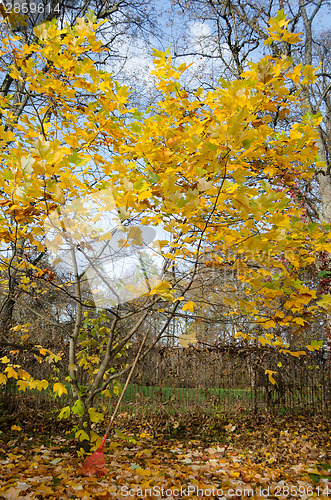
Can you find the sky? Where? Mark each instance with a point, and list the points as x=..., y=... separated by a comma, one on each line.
x=186, y=35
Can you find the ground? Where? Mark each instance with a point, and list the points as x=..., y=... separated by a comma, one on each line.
x=189, y=456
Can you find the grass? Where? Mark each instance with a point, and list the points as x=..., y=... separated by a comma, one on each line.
x=197, y=394
x=170, y=399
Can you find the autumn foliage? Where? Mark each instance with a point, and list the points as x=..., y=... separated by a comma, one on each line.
x=210, y=168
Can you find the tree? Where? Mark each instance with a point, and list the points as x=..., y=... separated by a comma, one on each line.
x=125, y=21
x=234, y=32
x=240, y=28
x=201, y=168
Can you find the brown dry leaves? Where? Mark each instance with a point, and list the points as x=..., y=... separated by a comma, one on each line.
x=274, y=460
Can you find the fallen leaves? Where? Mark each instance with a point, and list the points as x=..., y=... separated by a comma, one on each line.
x=271, y=460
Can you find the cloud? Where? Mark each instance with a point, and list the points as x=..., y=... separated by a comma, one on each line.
x=132, y=66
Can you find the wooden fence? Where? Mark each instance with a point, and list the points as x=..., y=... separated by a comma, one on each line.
x=227, y=378
x=231, y=378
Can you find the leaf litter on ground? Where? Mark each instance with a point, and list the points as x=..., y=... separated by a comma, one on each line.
x=279, y=460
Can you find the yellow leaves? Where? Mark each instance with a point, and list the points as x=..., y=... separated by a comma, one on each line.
x=3, y=379
x=22, y=385
x=163, y=289
x=231, y=187
x=173, y=161
x=270, y=374
x=325, y=302
x=143, y=472
x=278, y=30
x=297, y=301
x=82, y=435
x=84, y=363
x=59, y=389
x=95, y=416
x=228, y=302
x=269, y=324
x=265, y=72
x=164, y=156
x=4, y=359
x=16, y=428
x=299, y=321
x=17, y=328
x=241, y=202
x=315, y=345
x=264, y=341
x=96, y=439
x=117, y=389
x=38, y=384
x=143, y=195
x=65, y=412
x=278, y=342
x=309, y=73
x=41, y=32
x=297, y=354
x=218, y=259
x=291, y=38
x=15, y=74
x=189, y=306
x=240, y=334
x=41, y=148
x=307, y=292
x=52, y=357
x=11, y=373
x=173, y=141
x=279, y=314
x=204, y=185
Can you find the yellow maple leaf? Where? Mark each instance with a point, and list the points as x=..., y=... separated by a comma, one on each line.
x=60, y=389
x=82, y=435
x=299, y=321
x=95, y=416
x=22, y=385
x=11, y=372
x=189, y=306
x=264, y=341
x=269, y=324
x=41, y=384
x=240, y=334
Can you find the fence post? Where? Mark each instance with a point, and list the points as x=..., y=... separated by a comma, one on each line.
x=187, y=391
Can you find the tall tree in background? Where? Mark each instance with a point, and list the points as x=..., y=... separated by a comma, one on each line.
x=235, y=32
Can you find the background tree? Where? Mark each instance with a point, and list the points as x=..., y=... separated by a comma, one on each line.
x=234, y=32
